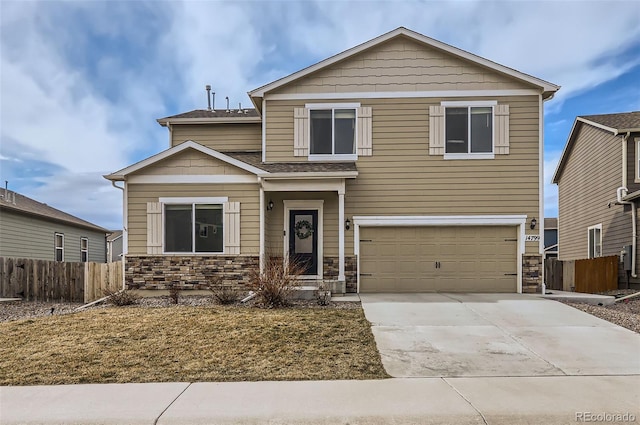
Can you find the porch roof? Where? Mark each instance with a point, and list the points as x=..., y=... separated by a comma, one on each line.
x=255, y=159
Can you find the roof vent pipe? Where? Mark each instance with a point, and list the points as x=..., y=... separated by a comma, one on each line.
x=213, y=100
x=208, y=87
x=239, y=107
x=227, y=97
x=6, y=190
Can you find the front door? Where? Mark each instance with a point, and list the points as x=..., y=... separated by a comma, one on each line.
x=303, y=240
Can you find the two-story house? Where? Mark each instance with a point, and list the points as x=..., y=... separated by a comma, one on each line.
x=400, y=165
x=598, y=178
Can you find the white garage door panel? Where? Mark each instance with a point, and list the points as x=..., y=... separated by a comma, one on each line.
x=471, y=259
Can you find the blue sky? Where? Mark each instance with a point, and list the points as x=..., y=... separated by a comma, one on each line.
x=82, y=82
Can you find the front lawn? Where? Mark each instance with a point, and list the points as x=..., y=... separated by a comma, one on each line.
x=189, y=344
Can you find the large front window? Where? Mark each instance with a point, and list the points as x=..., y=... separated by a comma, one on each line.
x=469, y=130
x=333, y=131
x=193, y=228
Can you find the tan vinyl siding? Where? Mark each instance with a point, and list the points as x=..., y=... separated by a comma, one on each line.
x=401, y=65
x=222, y=137
x=26, y=236
x=192, y=162
x=247, y=194
x=588, y=183
x=401, y=178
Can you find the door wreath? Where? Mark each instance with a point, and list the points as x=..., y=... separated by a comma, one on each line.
x=303, y=229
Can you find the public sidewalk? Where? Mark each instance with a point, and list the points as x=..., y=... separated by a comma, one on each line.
x=471, y=400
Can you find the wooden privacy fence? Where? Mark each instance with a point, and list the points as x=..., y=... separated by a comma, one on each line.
x=588, y=276
x=41, y=280
x=597, y=274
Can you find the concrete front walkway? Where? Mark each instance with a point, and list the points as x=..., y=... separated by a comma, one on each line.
x=489, y=400
x=464, y=335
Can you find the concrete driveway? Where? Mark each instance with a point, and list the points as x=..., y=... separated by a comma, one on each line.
x=465, y=335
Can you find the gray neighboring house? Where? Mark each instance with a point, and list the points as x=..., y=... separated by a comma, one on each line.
x=114, y=246
x=31, y=229
x=551, y=237
x=598, y=180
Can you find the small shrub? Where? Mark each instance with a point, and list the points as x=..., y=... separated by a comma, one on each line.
x=224, y=294
x=174, y=295
x=274, y=287
x=323, y=294
x=121, y=298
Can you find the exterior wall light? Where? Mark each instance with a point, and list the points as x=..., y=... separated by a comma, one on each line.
x=533, y=223
x=347, y=224
x=270, y=205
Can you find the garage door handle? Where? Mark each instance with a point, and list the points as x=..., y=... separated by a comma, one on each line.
x=366, y=274
x=366, y=240
x=511, y=274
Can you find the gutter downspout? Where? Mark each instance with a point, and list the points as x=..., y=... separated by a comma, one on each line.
x=634, y=226
x=125, y=237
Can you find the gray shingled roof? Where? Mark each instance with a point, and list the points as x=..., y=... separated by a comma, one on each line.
x=216, y=113
x=624, y=121
x=255, y=159
x=27, y=205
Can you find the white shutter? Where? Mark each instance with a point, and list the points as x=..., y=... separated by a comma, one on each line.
x=436, y=130
x=232, y=228
x=300, y=132
x=501, y=129
x=364, y=131
x=154, y=228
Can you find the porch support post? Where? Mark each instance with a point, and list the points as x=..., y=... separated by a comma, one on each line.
x=341, y=277
x=262, y=228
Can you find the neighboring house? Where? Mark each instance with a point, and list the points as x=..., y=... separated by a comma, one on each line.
x=400, y=165
x=598, y=180
x=551, y=238
x=31, y=229
x=114, y=246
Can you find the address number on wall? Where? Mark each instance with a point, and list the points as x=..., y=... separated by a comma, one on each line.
x=532, y=238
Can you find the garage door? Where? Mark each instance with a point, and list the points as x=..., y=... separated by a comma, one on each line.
x=446, y=259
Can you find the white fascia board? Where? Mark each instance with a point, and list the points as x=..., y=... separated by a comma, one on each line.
x=189, y=144
x=445, y=220
x=544, y=85
x=193, y=179
x=334, y=185
x=217, y=120
x=403, y=94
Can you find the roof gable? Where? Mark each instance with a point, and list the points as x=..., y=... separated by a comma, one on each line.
x=547, y=89
x=192, y=161
x=615, y=124
x=189, y=144
x=402, y=64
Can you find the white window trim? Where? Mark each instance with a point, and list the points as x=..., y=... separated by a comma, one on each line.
x=471, y=104
x=84, y=250
x=56, y=248
x=311, y=204
x=194, y=201
x=599, y=227
x=333, y=157
x=637, y=174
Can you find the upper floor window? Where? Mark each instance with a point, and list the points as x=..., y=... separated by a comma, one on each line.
x=191, y=228
x=595, y=241
x=84, y=250
x=59, y=246
x=469, y=130
x=333, y=131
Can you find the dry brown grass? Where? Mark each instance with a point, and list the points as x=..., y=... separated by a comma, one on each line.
x=189, y=344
